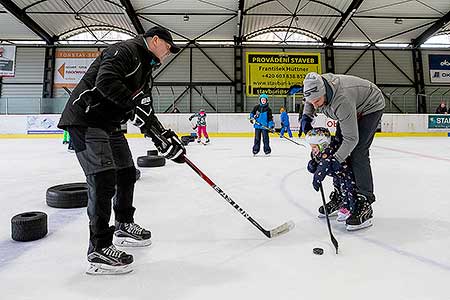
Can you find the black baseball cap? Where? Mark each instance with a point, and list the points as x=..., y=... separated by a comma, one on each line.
x=163, y=34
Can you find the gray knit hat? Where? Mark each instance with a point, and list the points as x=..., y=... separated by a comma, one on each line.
x=313, y=86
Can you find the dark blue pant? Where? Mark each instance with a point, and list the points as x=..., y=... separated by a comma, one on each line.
x=257, y=143
x=286, y=129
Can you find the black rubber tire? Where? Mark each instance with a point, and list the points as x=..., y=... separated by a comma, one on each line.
x=151, y=161
x=29, y=226
x=69, y=195
x=185, y=139
x=138, y=174
x=152, y=153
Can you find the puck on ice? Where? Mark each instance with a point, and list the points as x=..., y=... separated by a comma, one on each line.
x=318, y=251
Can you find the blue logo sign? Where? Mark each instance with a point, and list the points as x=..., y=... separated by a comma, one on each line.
x=439, y=62
x=438, y=122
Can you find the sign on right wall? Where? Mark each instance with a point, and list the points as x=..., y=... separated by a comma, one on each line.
x=439, y=66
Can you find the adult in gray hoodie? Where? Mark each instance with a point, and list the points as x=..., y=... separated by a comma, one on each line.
x=357, y=104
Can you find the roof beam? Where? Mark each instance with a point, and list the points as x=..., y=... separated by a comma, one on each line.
x=29, y=22
x=240, y=20
x=133, y=16
x=346, y=16
x=431, y=30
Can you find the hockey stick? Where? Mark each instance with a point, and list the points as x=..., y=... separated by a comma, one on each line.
x=271, y=131
x=284, y=228
x=333, y=240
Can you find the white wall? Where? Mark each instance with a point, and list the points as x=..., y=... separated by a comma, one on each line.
x=230, y=123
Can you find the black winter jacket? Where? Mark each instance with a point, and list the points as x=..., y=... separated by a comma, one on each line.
x=103, y=96
x=441, y=110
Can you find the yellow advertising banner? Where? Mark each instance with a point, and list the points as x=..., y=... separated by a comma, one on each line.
x=272, y=73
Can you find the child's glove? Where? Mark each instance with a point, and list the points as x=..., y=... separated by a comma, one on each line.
x=312, y=166
x=325, y=167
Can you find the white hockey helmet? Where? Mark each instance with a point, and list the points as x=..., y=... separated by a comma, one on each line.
x=319, y=136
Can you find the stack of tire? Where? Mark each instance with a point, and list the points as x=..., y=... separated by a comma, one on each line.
x=151, y=160
x=186, y=139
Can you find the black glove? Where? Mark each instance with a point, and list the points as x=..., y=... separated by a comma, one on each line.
x=306, y=123
x=165, y=140
x=143, y=110
x=252, y=120
x=312, y=166
x=190, y=118
x=325, y=167
x=169, y=145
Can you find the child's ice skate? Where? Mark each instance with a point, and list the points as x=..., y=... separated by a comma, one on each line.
x=343, y=214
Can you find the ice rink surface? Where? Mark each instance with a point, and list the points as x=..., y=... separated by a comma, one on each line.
x=203, y=249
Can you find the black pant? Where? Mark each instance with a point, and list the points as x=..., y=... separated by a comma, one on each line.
x=359, y=158
x=257, y=143
x=106, y=160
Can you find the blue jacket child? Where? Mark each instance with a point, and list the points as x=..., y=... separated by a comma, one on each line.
x=284, y=118
x=323, y=164
x=262, y=114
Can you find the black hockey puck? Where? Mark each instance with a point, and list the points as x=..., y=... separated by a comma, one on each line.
x=318, y=251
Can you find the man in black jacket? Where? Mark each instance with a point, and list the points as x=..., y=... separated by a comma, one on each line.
x=116, y=88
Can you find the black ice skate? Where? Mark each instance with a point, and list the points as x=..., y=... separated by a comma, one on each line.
x=362, y=215
x=333, y=205
x=109, y=261
x=131, y=235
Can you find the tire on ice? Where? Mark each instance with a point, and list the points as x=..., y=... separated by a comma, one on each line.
x=152, y=152
x=69, y=195
x=151, y=161
x=29, y=226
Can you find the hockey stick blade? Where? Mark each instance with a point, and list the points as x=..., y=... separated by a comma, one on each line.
x=282, y=229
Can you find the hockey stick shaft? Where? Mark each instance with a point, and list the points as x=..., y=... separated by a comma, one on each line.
x=333, y=239
x=272, y=233
x=270, y=130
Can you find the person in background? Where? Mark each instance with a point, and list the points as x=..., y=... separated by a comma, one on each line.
x=442, y=108
x=260, y=117
x=300, y=114
x=201, y=125
x=68, y=140
x=284, y=118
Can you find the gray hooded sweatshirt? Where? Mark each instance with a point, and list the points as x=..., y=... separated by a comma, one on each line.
x=348, y=98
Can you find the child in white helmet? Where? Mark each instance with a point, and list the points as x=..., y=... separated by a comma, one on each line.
x=323, y=164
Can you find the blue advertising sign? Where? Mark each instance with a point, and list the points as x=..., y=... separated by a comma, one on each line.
x=438, y=121
x=439, y=66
